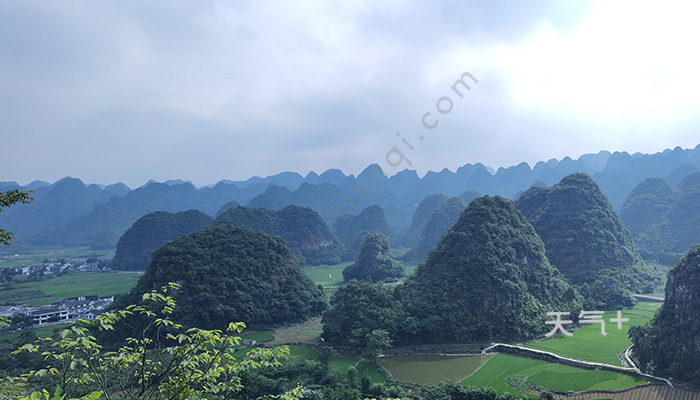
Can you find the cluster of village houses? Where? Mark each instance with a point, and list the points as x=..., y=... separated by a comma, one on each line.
x=52, y=268
x=63, y=310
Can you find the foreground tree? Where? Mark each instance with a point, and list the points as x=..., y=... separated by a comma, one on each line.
x=163, y=361
x=7, y=199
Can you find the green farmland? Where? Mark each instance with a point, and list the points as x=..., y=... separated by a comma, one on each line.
x=589, y=344
x=66, y=286
x=543, y=374
x=431, y=370
x=23, y=255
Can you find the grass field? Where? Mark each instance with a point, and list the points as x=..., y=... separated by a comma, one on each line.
x=23, y=255
x=307, y=332
x=330, y=276
x=326, y=275
x=341, y=365
x=553, y=376
x=589, y=344
x=431, y=370
x=302, y=351
x=71, y=285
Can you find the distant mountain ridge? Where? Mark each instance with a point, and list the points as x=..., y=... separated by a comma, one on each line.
x=664, y=220
x=68, y=212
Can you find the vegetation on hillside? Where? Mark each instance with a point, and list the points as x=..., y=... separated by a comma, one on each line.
x=437, y=225
x=351, y=230
x=359, y=308
x=587, y=241
x=308, y=236
x=487, y=279
x=425, y=209
x=670, y=344
x=663, y=220
x=150, y=232
x=230, y=273
x=375, y=261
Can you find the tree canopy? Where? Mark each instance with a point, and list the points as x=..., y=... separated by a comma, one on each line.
x=230, y=273
x=587, y=241
x=670, y=344
x=308, y=236
x=663, y=220
x=487, y=279
x=136, y=246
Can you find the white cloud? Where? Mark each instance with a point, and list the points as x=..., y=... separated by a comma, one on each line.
x=131, y=87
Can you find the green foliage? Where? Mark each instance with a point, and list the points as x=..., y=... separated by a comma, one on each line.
x=357, y=309
x=644, y=210
x=375, y=261
x=164, y=361
x=437, y=225
x=378, y=340
x=232, y=273
x=670, y=344
x=663, y=220
x=150, y=232
x=7, y=199
x=587, y=241
x=309, y=238
x=454, y=391
x=487, y=279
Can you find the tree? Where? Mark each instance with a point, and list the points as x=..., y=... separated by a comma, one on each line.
x=377, y=340
x=163, y=361
x=7, y=199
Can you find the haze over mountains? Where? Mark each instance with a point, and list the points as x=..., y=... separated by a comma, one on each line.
x=68, y=212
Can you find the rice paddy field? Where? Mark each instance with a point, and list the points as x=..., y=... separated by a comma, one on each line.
x=589, y=344
x=558, y=377
x=71, y=285
x=24, y=255
x=431, y=370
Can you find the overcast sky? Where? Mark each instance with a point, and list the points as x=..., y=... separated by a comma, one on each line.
x=127, y=91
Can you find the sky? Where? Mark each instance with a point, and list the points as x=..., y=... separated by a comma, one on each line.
x=127, y=91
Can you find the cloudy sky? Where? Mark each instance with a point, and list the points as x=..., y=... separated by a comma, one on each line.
x=110, y=91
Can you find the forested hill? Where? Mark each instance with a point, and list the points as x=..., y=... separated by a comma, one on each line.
x=437, y=225
x=664, y=220
x=69, y=212
x=352, y=230
x=310, y=240
x=152, y=231
x=670, y=344
x=375, y=261
x=587, y=241
x=487, y=279
x=229, y=273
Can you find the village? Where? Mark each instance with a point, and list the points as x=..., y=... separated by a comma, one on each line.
x=61, y=311
x=64, y=310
